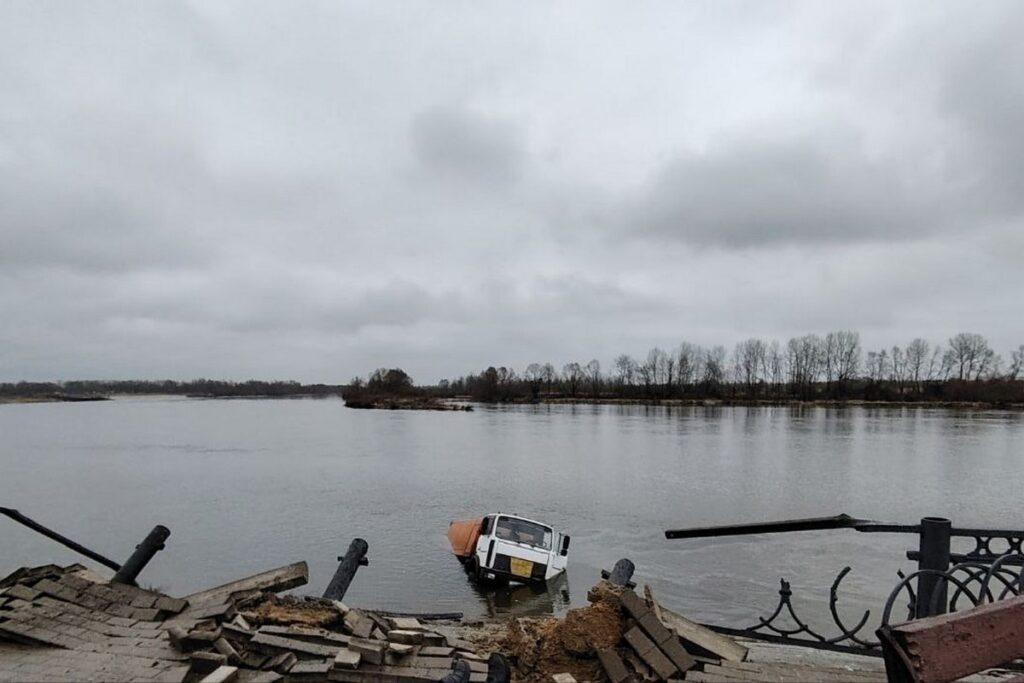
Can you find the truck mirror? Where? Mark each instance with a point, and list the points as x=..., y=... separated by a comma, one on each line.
x=565, y=546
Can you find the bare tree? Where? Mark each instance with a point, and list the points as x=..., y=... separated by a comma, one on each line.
x=969, y=356
x=593, y=372
x=1016, y=363
x=687, y=365
x=916, y=359
x=652, y=371
x=847, y=357
x=938, y=368
x=804, y=359
x=899, y=368
x=775, y=365
x=573, y=376
x=549, y=375
x=748, y=362
x=875, y=366
x=625, y=368
x=534, y=376
x=714, y=367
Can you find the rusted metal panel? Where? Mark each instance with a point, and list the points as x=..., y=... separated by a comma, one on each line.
x=949, y=646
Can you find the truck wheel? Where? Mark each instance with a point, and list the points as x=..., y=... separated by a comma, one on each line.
x=472, y=567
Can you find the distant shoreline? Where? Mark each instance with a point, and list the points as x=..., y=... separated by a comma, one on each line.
x=461, y=403
x=53, y=399
x=714, y=403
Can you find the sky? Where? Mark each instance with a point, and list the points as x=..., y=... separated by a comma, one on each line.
x=305, y=190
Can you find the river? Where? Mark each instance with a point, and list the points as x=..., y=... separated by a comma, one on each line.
x=246, y=485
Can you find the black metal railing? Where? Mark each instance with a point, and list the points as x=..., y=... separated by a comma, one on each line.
x=992, y=569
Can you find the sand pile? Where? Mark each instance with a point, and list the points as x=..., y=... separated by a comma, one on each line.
x=540, y=648
x=289, y=610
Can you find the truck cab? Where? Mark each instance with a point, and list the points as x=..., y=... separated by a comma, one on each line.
x=510, y=548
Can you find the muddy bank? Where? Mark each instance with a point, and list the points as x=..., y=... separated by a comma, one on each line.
x=404, y=403
x=52, y=398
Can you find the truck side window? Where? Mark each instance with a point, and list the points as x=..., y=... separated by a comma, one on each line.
x=485, y=527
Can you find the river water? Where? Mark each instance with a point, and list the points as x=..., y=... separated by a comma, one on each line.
x=246, y=485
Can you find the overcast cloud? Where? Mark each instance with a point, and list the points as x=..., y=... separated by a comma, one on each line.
x=311, y=190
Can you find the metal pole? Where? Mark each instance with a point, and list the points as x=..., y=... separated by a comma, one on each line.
x=144, y=552
x=63, y=540
x=621, y=573
x=934, y=555
x=346, y=571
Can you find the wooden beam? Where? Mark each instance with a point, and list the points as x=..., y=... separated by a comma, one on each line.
x=274, y=580
x=949, y=646
x=720, y=645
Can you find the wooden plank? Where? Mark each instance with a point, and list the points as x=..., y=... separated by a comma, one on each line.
x=359, y=624
x=222, y=646
x=311, y=666
x=370, y=650
x=347, y=659
x=249, y=676
x=795, y=674
x=677, y=654
x=759, y=651
x=613, y=666
x=649, y=652
x=267, y=641
x=281, y=663
x=407, y=637
x=389, y=674
x=651, y=602
x=775, y=667
x=434, y=639
x=319, y=636
x=22, y=593
x=637, y=665
x=406, y=624
x=716, y=643
x=207, y=662
x=633, y=604
x=274, y=580
x=222, y=674
x=703, y=677
x=950, y=646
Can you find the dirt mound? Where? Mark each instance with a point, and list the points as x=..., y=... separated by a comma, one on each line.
x=288, y=610
x=540, y=648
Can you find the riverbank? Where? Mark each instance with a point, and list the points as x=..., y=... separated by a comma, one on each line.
x=719, y=402
x=381, y=402
x=54, y=398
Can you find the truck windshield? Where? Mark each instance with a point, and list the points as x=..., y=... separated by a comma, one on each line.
x=521, y=531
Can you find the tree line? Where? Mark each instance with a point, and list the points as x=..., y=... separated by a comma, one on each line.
x=810, y=367
x=199, y=387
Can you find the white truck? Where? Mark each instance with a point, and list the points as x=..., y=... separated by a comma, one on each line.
x=501, y=548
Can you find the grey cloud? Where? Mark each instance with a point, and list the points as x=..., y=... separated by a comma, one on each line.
x=457, y=143
x=312, y=190
x=984, y=92
x=755, y=193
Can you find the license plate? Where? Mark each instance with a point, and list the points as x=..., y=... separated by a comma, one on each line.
x=522, y=567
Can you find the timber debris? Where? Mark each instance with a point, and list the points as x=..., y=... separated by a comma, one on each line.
x=67, y=623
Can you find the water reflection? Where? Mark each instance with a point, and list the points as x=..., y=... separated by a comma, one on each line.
x=517, y=600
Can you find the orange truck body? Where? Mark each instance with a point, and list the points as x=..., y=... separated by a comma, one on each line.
x=463, y=535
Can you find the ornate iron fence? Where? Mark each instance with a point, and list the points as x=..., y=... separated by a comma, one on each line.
x=993, y=569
